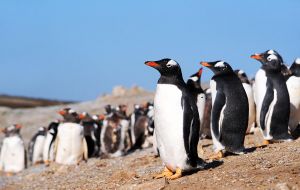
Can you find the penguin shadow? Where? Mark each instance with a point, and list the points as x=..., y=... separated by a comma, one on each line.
x=207, y=166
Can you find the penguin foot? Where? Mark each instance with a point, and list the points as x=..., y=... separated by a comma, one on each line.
x=47, y=162
x=177, y=175
x=165, y=173
x=266, y=142
x=9, y=174
x=217, y=156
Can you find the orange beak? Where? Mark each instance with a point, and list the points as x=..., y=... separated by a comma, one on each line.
x=62, y=112
x=81, y=116
x=256, y=56
x=101, y=117
x=151, y=63
x=200, y=72
x=205, y=64
x=18, y=126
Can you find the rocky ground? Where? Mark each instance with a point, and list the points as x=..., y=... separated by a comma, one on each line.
x=276, y=166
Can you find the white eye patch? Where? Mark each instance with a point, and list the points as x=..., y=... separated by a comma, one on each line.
x=171, y=63
x=297, y=61
x=220, y=64
x=271, y=52
x=272, y=57
x=241, y=72
x=71, y=111
x=194, y=79
x=95, y=117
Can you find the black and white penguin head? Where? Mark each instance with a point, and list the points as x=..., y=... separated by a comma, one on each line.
x=295, y=68
x=242, y=76
x=69, y=115
x=197, y=76
x=270, y=59
x=218, y=67
x=84, y=116
x=12, y=130
x=166, y=67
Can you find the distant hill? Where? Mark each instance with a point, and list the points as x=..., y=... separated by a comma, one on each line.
x=26, y=102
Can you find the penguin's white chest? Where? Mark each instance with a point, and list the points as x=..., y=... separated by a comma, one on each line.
x=12, y=154
x=293, y=85
x=70, y=146
x=251, y=103
x=201, y=106
x=168, y=120
x=48, y=154
x=259, y=91
x=38, y=149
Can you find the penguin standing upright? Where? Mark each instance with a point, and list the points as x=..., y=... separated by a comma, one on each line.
x=70, y=144
x=293, y=85
x=90, y=126
x=194, y=86
x=229, y=119
x=176, y=121
x=260, y=84
x=36, y=146
x=248, y=88
x=275, y=107
x=13, y=154
x=48, y=151
x=205, y=127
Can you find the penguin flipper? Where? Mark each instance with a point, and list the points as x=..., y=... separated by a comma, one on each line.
x=218, y=105
x=269, y=96
x=191, y=128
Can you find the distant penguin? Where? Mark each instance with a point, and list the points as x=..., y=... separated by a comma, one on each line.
x=194, y=86
x=205, y=127
x=70, y=144
x=36, y=146
x=176, y=121
x=90, y=126
x=248, y=88
x=13, y=154
x=98, y=119
x=229, y=119
x=115, y=133
x=293, y=85
x=48, y=151
x=275, y=102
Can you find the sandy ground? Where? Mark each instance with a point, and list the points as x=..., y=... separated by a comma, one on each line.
x=274, y=167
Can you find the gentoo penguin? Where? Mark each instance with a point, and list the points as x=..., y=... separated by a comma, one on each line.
x=115, y=133
x=36, y=146
x=274, y=109
x=248, y=88
x=70, y=144
x=48, y=151
x=293, y=85
x=260, y=84
x=194, y=85
x=143, y=128
x=176, y=121
x=205, y=127
x=90, y=126
x=13, y=154
x=229, y=119
x=98, y=119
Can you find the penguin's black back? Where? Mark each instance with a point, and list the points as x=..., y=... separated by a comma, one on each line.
x=235, y=119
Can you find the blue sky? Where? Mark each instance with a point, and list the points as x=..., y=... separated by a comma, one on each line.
x=78, y=50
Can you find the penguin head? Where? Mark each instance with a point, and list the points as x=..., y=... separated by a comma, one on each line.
x=166, y=67
x=197, y=76
x=12, y=130
x=271, y=60
x=69, y=115
x=295, y=68
x=85, y=117
x=242, y=76
x=218, y=67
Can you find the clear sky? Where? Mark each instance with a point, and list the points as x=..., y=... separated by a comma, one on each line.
x=78, y=50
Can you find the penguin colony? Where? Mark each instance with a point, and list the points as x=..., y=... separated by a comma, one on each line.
x=181, y=115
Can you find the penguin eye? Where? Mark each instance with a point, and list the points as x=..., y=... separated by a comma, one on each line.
x=271, y=57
